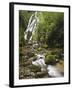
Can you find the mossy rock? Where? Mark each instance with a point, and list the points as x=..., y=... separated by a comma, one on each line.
x=50, y=59
x=57, y=52
x=30, y=54
x=45, y=46
x=40, y=74
x=39, y=49
x=34, y=58
x=48, y=53
x=35, y=68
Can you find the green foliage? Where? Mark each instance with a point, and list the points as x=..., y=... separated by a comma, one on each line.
x=50, y=29
x=49, y=38
x=23, y=22
x=24, y=18
x=57, y=52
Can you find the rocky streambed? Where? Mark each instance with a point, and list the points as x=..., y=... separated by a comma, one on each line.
x=33, y=65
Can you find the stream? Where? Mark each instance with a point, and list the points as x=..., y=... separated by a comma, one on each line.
x=51, y=70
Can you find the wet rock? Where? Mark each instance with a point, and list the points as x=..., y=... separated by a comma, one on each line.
x=21, y=72
x=35, y=68
x=30, y=54
x=29, y=43
x=27, y=71
x=21, y=76
x=35, y=46
x=26, y=57
x=27, y=63
x=32, y=74
x=41, y=74
x=34, y=58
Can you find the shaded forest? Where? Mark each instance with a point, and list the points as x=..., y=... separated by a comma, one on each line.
x=46, y=39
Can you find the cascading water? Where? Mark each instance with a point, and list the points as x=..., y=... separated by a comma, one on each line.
x=31, y=26
x=40, y=62
x=51, y=70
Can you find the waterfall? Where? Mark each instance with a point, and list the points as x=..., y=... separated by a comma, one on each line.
x=31, y=26
x=40, y=62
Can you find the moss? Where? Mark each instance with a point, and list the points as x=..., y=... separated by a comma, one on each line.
x=39, y=49
x=58, y=53
x=48, y=53
x=50, y=59
x=45, y=46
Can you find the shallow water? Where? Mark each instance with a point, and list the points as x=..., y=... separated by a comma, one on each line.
x=51, y=70
x=40, y=62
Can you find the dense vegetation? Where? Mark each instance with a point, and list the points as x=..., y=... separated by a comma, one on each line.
x=49, y=35
x=49, y=31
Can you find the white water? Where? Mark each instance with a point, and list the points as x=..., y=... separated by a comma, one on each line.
x=40, y=62
x=31, y=25
x=52, y=70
